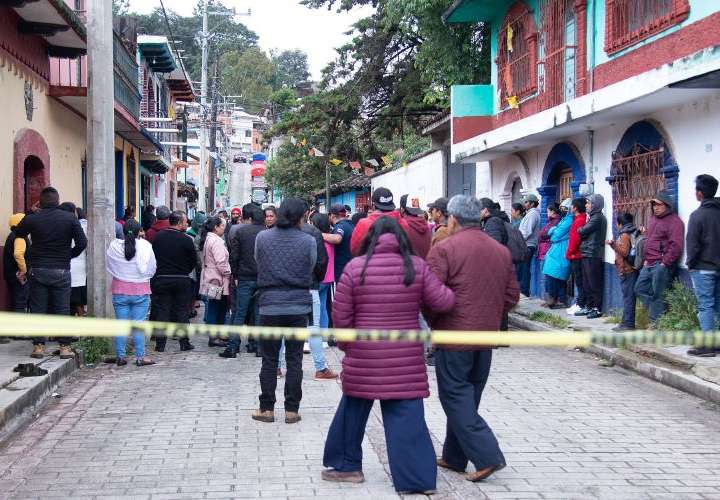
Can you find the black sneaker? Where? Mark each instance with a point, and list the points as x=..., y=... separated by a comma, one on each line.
x=228, y=353
x=702, y=352
x=594, y=314
x=583, y=312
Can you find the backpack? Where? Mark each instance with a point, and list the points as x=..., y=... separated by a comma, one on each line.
x=636, y=257
x=516, y=244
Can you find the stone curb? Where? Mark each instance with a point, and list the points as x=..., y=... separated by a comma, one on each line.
x=671, y=377
x=19, y=398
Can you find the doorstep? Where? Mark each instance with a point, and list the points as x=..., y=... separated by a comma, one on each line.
x=20, y=395
x=669, y=365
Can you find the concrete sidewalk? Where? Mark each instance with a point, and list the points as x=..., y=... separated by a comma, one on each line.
x=668, y=364
x=20, y=395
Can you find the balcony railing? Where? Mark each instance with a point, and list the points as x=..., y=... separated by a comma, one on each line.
x=68, y=72
x=126, y=78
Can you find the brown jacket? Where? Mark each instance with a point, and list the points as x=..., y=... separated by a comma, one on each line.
x=441, y=233
x=622, y=247
x=480, y=272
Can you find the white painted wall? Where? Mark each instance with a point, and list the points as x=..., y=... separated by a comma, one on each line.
x=422, y=178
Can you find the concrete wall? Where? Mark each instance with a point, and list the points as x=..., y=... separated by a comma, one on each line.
x=422, y=178
x=64, y=133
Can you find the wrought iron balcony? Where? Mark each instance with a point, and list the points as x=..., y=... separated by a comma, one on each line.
x=126, y=74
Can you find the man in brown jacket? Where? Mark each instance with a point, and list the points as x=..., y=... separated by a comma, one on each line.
x=624, y=263
x=438, y=214
x=480, y=272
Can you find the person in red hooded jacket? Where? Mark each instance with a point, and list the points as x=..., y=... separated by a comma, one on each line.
x=383, y=206
x=385, y=289
x=573, y=254
x=418, y=231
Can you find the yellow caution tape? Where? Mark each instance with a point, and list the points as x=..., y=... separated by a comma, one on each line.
x=36, y=325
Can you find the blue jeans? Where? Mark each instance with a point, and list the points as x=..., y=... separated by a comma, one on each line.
x=524, y=271
x=627, y=282
x=315, y=341
x=246, y=307
x=707, y=291
x=324, y=312
x=650, y=289
x=134, y=308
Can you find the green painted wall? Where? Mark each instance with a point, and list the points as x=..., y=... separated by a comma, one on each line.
x=472, y=100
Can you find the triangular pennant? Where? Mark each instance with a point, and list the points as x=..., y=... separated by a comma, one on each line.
x=386, y=160
x=374, y=163
x=336, y=162
x=513, y=102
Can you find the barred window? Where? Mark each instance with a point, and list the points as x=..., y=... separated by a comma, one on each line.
x=517, y=55
x=630, y=21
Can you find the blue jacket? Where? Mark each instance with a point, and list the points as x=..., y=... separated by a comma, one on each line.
x=555, y=263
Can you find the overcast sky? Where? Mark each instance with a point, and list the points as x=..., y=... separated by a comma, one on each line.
x=282, y=24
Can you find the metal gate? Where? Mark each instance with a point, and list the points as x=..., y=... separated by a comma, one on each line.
x=559, y=31
x=637, y=178
x=461, y=179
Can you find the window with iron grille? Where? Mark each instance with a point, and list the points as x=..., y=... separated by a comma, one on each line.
x=637, y=178
x=630, y=21
x=557, y=46
x=517, y=55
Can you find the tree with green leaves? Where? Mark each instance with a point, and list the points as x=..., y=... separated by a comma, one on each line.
x=291, y=69
x=248, y=74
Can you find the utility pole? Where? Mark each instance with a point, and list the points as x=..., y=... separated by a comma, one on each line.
x=204, y=42
x=100, y=152
x=213, y=133
x=327, y=187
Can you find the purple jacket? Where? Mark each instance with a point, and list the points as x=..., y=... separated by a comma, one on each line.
x=665, y=239
x=386, y=370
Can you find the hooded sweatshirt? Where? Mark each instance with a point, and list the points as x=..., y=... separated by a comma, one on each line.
x=703, y=237
x=157, y=226
x=665, y=235
x=419, y=234
x=593, y=233
x=622, y=247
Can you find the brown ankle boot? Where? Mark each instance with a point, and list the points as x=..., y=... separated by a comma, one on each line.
x=66, y=352
x=38, y=351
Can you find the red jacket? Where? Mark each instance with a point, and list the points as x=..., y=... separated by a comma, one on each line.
x=573, y=250
x=481, y=273
x=363, y=226
x=665, y=241
x=386, y=370
x=157, y=226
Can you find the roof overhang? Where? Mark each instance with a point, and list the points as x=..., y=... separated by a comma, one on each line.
x=155, y=163
x=683, y=81
x=157, y=53
x=180, y=86
x=54, y=21
x=473, y=11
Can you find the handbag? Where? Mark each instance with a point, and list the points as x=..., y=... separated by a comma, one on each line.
x=214, y=292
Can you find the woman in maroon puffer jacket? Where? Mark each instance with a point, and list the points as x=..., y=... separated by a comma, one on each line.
x=385, y=288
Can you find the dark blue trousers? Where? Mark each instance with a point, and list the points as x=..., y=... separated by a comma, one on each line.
x=410, y=450
x=461, y=378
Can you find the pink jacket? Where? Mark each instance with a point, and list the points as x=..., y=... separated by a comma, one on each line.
x=386, y=370
x=216, y=265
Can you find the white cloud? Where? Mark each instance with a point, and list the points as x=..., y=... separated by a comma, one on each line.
x=282, y=25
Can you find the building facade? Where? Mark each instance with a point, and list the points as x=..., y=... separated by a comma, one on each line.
x=616, y=97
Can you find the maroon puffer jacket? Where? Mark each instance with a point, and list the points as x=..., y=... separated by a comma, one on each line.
x=386, y=370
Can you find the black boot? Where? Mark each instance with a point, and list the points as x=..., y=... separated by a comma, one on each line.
x=160, y=344
x=228, y=353
x=185, y=344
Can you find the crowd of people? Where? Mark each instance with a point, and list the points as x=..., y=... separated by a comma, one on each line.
x=460, y=266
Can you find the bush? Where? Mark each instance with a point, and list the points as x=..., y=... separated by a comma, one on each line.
x=94, y=348
x=681, y=314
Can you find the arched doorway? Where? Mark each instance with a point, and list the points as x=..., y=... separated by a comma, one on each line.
x=642, y=166
x=516, y=191
x=563, y=173
x=31, y=169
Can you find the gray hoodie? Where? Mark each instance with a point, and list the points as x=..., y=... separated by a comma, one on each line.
x=530, y=227
x=594, y=231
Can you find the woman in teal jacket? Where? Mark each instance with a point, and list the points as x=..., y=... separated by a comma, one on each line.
x=556, y=267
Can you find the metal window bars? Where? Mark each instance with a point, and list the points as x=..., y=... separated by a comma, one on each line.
x=557, y=45
x=629, y=21
x=636, y=179
x=515, y=58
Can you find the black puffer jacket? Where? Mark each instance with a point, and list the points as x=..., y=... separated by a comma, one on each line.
x=703, y=237
x=594, y=231
x=242, y=250
x=494, y=226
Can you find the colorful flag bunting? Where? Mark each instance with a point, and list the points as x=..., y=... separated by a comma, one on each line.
x=355, y=165
x=336, y=162
x=510, y=34
x=513, y=102
x=293, y=141
x=386, y=160
x=316, y=152
x=374, y=163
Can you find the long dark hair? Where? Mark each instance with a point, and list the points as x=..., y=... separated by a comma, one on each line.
x=321, y=221
x=210, y=224
x=131, y=230
x=388, y=225
x=291, y=212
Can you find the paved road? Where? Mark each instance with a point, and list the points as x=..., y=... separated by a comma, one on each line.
x=570, y=429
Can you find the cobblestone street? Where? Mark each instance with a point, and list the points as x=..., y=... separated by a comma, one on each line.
x=569, y=427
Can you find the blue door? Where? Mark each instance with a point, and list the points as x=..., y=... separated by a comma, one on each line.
x=119, y=185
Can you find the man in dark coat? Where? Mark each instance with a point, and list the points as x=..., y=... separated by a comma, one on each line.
x=593, y=235
x=480, y=272
x=703, y=257
x=493, y=221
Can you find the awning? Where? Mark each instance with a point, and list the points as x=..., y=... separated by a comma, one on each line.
x=472, y=11
x=54, y=21
x=157, y=53
x=155, y=163
x=180, y=86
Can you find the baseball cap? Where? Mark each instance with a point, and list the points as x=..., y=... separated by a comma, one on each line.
x=531, y=198
x=338, y=209
x=439, y=204
x=383, y=199
x=566, y=203
x=235, y=210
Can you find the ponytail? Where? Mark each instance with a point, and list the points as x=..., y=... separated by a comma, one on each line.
x=132, y=231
